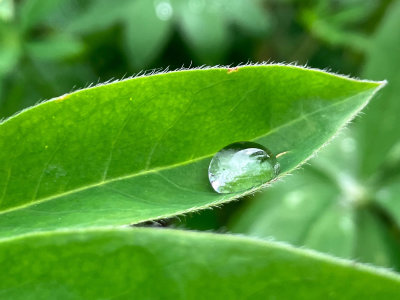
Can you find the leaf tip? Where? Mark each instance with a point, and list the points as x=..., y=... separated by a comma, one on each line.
x=382, y=83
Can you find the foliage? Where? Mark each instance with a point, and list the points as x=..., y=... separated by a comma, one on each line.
x=89, y=147
x=75, y=170
x=349, y=203
x=127, y=263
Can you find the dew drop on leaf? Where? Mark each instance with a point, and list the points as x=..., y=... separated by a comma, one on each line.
x=241, y=166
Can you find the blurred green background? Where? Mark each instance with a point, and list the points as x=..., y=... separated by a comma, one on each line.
x=346, y=202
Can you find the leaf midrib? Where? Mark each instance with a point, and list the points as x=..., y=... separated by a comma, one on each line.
x=187, y=162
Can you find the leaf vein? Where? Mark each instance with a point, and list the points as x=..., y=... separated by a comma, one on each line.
x=162, y=168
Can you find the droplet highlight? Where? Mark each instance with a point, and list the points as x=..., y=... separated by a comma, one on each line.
x=242, y=166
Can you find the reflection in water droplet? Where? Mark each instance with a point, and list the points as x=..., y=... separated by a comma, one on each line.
x=164, y=10
x=241, y=166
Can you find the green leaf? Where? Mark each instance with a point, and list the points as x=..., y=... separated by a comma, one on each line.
x=54, y=47
x=334, y=24
x=249, y=15
x=375, y=242
x=206, y=31
x=147, y=25
x=388, y=196
x=325, y=223
x=33, y=12
x=6, y=10
x=380, y=124
x=139, y=149
x=10, y=50
x=339, y=214
x=136, y=263
x=146, y=33
x=333, y=232
x=275, y=212
x=99, y=15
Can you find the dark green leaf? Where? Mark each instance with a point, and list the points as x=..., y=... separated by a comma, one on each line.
x=375, y=241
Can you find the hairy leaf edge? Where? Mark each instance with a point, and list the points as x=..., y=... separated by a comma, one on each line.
x=158, y=72
x=377, y=86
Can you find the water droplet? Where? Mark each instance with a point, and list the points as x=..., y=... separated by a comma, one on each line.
x=164, y=10
x=241, y=166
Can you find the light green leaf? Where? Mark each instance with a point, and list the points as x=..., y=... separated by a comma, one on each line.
x=10, y=49
x=206, y=31
x=136, y=263
x=388, y=196
x=147, y=31
x=338, y=212
x=147, y=25
x=32, y=12
x=99, y=15
x=275, y=212
x=327, y=31
x=379, y=127
x=304, y=210
x=249, y=15
x=334, y=23
x=139, y=149
x=6, y=10
x=55, y=47
x=346, y=13
x=333, y=231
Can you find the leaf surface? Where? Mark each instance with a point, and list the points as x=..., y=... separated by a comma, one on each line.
x=146, y=33
x=121, y=264
x=139, y=149
x=340, y=214
x=388, y=197
x=6, y=10
x=376, y=241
